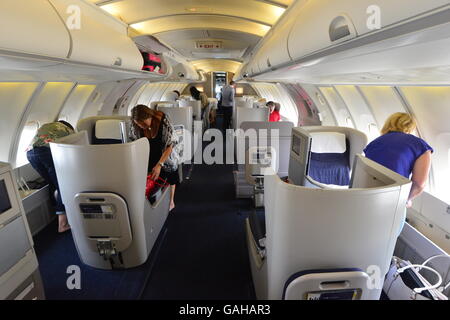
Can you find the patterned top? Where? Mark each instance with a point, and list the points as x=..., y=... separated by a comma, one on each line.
x=49, y=132
x=169, y=138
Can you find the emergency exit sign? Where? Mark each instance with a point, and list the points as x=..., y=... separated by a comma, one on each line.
x=208, y=45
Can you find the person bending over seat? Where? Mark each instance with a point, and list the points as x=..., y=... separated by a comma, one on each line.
x=40, y=157
x=274, y=111
x=200, y=96
x=164, y=156
x=402, y=152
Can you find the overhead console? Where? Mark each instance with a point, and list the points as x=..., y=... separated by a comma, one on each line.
x=312, y=28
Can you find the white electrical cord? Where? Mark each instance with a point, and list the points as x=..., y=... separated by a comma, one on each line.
x=419, y=266
x=434, y=257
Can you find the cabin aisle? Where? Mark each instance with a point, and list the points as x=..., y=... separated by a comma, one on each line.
x=204, y=255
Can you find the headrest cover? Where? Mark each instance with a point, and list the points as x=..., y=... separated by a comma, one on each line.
x=108, y=129
x=328, y=142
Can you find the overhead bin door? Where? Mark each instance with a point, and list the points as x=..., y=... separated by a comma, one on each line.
x=100, y=38
x=275, y=50
x=321, y=24
x=33, y=27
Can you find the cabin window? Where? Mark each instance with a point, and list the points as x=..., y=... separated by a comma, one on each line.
x=430, y=106
x=383, y=101
x=343, y=117
x=14, y=99
x=76, y=102
x=28, y=133
x=277, y=93
x=359, y=110
x=43, y=109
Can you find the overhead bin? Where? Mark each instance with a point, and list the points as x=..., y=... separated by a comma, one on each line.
x=33, y=27
x=313, y=26
x=274, y=50
x=324, y=23
x=100, y=39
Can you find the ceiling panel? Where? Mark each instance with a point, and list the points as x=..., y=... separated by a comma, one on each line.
x=238, y=24
x=200, y=22
x=208, y=65
x=133, y=11
x=234, y=44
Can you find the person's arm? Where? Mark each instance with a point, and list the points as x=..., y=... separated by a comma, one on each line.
x=419, y=177
x=157, y=169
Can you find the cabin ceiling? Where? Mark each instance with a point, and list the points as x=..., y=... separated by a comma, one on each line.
x=230, y=28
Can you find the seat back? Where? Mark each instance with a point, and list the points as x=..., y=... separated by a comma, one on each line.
x=103, y=190
x=196, y=107
x=329, y=163
x=107, y=131
x=89, y=125
x=310, y=229
x=267, y=134
x=333, y=150
x=249, y=114
x=168, y=104
x=182, y=117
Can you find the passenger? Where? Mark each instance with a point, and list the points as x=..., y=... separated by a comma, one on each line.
x=274, y=111
x=227, y=99
x=164, y=149
x=40, y=157
x=200, y=96
x=400, y=151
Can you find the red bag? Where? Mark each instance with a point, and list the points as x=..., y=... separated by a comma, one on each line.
x=153, y=186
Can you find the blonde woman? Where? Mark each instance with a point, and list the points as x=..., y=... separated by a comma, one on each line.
x=402, y=152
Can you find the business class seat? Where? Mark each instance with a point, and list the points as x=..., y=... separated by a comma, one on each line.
x=181, y=119
x=333, y=151
x=267, y=134
x=323, y=241
x=103, y=189
x=196, y=108
x=109, y=128
x=241, y=115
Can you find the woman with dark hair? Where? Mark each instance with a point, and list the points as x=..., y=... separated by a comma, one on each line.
x=40, y=157
x=199, y=96
x=274, y=111
x=164, y=147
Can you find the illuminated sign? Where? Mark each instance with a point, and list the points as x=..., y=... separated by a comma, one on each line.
x=208, y=45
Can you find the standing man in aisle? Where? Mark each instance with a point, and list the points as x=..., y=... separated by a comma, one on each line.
x=228, y=93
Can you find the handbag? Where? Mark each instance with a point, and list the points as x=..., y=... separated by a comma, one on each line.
x=153, y=186
x=404, y=282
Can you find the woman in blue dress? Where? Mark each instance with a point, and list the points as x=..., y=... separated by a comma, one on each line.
x=402, y=152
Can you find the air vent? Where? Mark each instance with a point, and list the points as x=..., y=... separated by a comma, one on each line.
x=341, y=28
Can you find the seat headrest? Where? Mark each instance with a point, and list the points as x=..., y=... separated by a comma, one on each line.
x=108, y=129
x=328, y=142
x=171, y=96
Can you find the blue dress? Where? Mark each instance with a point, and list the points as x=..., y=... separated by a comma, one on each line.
x=397, y=151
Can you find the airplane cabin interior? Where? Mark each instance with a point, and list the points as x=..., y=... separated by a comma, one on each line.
x=262, y=117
